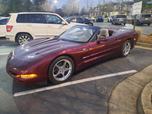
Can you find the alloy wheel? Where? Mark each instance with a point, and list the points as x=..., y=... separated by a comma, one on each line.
x=127, y=48
x=23, y=38
x=62, y=70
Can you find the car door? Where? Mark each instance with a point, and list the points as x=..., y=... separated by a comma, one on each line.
x=33, y=24
x=55, y=25
x=39, y=26
x=102, y=48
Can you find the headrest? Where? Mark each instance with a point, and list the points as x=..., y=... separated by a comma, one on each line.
x=104, y=32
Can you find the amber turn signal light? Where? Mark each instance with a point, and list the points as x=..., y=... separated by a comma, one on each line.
x=26, y=76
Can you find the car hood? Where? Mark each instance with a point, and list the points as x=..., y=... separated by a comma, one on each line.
x=41, y=47
x=71, y=24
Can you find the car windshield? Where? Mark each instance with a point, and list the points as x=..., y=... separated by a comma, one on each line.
x=80, y=34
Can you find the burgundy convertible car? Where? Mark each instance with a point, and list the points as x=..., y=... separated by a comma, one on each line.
x=57, y=59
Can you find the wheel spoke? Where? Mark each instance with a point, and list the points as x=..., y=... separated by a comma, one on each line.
x=55, y=75
x=26, y=37
x=67, y=69
x=59, y=67
x=64, y=64
x=63, y=74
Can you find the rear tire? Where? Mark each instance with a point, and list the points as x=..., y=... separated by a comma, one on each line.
x=61, y=70
x=126, y=48
x=23, y=38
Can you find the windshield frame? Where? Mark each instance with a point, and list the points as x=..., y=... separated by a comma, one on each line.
x=89, y=39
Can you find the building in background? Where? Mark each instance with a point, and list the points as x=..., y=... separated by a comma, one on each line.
x=111, y=9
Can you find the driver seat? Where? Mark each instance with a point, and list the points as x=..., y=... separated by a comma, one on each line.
x=104, y=33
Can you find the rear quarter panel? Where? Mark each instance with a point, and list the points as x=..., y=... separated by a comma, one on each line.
x=127, y=34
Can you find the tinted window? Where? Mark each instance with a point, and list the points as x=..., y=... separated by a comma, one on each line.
x=121, y=16
x=86, y=20
x=3, y=21
x=31, y=18
x=53, y=19
x=146, y=16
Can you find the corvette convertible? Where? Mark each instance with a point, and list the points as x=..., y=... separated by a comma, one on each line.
x=57, y=59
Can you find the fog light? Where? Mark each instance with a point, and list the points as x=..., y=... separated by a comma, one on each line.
x=26, y=76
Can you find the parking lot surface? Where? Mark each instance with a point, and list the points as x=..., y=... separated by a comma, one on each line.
x=90, y=97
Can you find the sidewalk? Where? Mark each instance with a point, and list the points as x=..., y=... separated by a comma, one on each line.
x=146, y=99
x=124, y=96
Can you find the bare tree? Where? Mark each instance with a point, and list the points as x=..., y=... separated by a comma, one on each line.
x=71, y=8
x=47, y=6
x=3, y=6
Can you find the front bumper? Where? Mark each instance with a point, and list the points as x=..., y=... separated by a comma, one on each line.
x=16, y=72
x=15, y=75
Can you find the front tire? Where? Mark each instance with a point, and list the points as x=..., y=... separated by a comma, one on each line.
x=23, y=38
x=126, y=48
x=61, y=70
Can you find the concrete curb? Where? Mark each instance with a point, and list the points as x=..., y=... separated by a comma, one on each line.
x=124, y=97
x=144, y=44
x=146, y=99
x=141, y=47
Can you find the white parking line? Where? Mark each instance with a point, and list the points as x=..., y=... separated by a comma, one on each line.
x=73, y=83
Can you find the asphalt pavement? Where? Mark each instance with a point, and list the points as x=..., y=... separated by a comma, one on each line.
x=82, y=98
